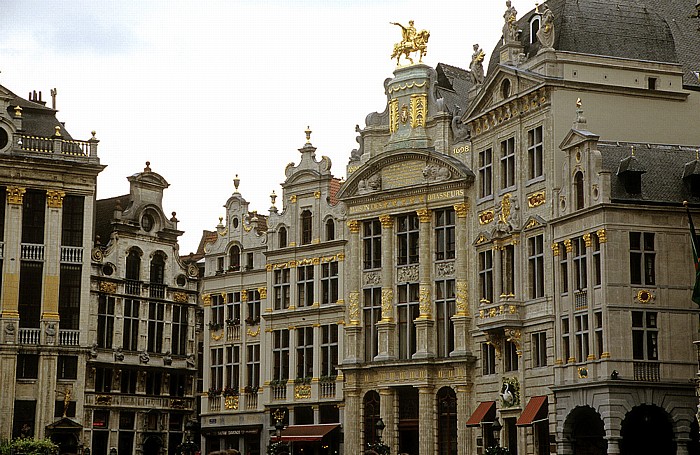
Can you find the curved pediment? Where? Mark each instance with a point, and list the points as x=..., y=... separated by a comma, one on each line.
x=405, y=170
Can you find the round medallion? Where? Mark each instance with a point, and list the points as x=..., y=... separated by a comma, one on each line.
x=147, y=222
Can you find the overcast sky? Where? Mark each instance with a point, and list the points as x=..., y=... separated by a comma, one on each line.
x=207, y=89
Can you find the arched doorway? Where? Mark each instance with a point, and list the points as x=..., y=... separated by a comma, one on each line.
x=585, y=430
x=152, y=444
x=647, y=429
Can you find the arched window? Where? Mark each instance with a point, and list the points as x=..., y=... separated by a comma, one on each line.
x=370, y=416
x=133, y=265
x=157, y=269
x=330, y=229
x=534, y=28
x=306, y=227
x=578, y=189
x=447, y=421
x=282, y=237
x=234, y=258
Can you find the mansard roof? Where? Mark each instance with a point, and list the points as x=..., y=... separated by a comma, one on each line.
x=37, y=119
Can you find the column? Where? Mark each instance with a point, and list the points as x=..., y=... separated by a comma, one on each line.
x=427, y=425
x=387, y=326
x=353, y=352
x=463, y=434
x=351, y=425
x=461, y=317
x=12, y=258
x=387, y=411
x=425, y=341
x=52, y=265
x=603, y=240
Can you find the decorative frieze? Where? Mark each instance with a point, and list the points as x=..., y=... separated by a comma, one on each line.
x=387, y=303
x=461, y=209
x=536, y=199
x=371, y=278
x=407, y=274
x=445, y=269
x=354, y=308
x=486, y=217
x=108, y=287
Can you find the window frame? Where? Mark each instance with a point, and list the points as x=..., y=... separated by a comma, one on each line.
x=507, y=160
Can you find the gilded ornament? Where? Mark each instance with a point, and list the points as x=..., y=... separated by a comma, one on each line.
x=486, y=217
x=404, y=114
x=602, y=238
x=644, y=296
x=504, y=216
x=103, y=400
x=317, y=194
x=568, y=245
x=217, y=337
x=411, y=41
x=481, y=239
x=231, y=402
x=423, y=215
x=461, y=209
x=180, y=297
x=293, y=199
x=340, y=256
x=387, y=301
x=15, y=195
x=302, y=391
x=418, y=110
x=109, y=288
x=263, y=293
x=393, y=116
x=244, y=295
x=54, y=198
x=206, y=299
x=461, y=298
x=582, y=372
x=252, y=333
x=354, y=226
x=354, y=308
x=532, y=223
x=400, y=87
x=387, y=221
x=555, y=249
x=424, y=302
x=587, y=240
x=536, y=199
x=269, y=267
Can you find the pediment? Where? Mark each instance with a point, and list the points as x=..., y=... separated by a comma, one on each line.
x=534, y=222
x=64, y=424
x=403, y=170
x=491, y=94
x=481, y=238
x=576, y=137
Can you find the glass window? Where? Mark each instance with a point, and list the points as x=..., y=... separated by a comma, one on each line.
x=372, y=243
x=280, y=355
x=329, y=350
x=305, y=285
x=642, y=258
x=536, y=265
x=508, y=163
x=645, y=335
x=486, y=276
x=534, y=152
x=539, y=349
x=72, y=220
x=372, y=314
x=130, y=333
x=329, y=282
x=281, y=288
x=488, y=359
x=445, y=305
x=407, y=237
x=408, y=310
x=444, y=234
x=485, y=173
x=305, y=352
x=306, y=227
x=105, y=321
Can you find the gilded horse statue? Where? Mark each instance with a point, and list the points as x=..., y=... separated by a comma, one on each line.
x=412, y=41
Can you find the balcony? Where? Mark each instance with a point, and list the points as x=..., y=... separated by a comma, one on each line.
x=647, y=371
x=32, y=252
x=499, y=315
x=156, y=291
x=327, y=389
x=29, y=335
x=72, y=254
x=56, y=146
x=580, y=300
x=68, y=337
x=132, y=287
x=251, y=400
x=233, y=332
x=278, y=392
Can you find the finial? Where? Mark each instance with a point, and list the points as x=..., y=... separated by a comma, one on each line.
x=236, y=182
x=308, y=135
x=93, y=132
x=174, y=218
x=633, y=150
x=148, y=167
x=537, y=8
x=57, y=131
x=221, y=220
x=273, y=197
x=18, y=111
x=578, y=103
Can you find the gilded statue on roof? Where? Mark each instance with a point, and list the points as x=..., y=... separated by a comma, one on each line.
x=411, y=41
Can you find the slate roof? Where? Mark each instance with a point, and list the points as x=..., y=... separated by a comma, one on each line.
x=653, y=30
x=453, y=84
x=104, y=215
x=37, y=119
x=662, y=183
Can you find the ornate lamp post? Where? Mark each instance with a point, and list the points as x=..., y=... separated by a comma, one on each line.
x=278, y=447
x=378, y=446
x=188, y=447
x=496, y=448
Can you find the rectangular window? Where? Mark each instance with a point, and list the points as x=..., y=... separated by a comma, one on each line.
x=154, y=381
x=329, y=350
x=580, y=265
x=233, y=367
x=130, y=339
x=485, y=173
x=372, y=314
x=128, y=380
x=597, y=273
x=407, y=310
x=508, y=271
x=645, y=335
x=305, y=352
x=179, y=330
x=534, y=152
x=486, y=276
x=105, y=321
x=156, y=322
x=488, y=359
x=445, y=305
x=253, y=366
x=233, y=307
x=329, y=282
x=305, y=286
x=581, y=337
x=249, y=261
x=103, y=379
x=30, y=293
x=407, y=239
x=445, y=234
x=280, y=355
x=33, y=213
x=67, y=367
x=27, y=366
x=598, y=315
x=566, y=339
x=642, y=258
x=564, y=269
x=3, y=193
x=72, y=220
x=536, y=265
x=306, y=227
x=69, y=296
x=281, y=289
x=217, y=309
x=216, y=371
x=508, y=163
x=372, y=244
x=253, y=302
x=539, y=349
x=511, y=360
x=177, y=384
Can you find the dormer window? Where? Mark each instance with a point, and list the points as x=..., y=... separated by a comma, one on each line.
x=234, y=258
x=505, y=88
x=578, y=190
x=630, y=173
x=651, y=83
x=306, y=227
x=330, y=229
x=534, y=28
x=133, y=265
x=282, y=237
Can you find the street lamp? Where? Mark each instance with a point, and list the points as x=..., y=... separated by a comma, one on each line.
x=496, y=431
x=113, y=451
x=278, y=446
x=379, y=426
x=188, y=447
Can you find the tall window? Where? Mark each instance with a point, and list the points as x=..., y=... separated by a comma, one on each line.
x=407, y=309
x=69, y=296
x=445, y=303
x=534, y=152
x=33, y=213
x=445, y=234
x=508, y=271
x=488, y=359
x=330, y=229
x=72, y=221
x=157, y=269
x=539, y=349
x=156, y=322
x=566, y=339
x=253, y=303
x=103, y=379
x=447, y=421
x=581, y=337
x=216, y=371
x=486, y=276
x=30, y=293
x=233, y=367
x=370, y=416
x=597, y=272
x=580, y=265
x=645, y=335
x=305, y=285
x=372, y=314
x=67, y=367
x=133, y=265
x=329, y=350
x=282, y=237
x=536, y=265
x=27, y=366
x=105, y=321
x=280, y=355
x=642, y=258
x=372, y=243
x=127, y=380
x=407, y=236
x=598, y=317
x=154, y=382
x=578, y=190
x=178, y=382
x=510, y=355
x=564, y=269
x=253, y=365
x=234, y=258
x=485, y=173
x=281, y=289
x=130, y=334
x=329, y=282
x=179, y=330
x=306, y=225
x=233, y=307
x=305, y=352
x=508, y=163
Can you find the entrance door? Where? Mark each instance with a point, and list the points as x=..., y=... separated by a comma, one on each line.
x=647, y=429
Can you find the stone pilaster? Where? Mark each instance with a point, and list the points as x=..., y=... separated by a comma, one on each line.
x=427, y=425
x=353, y=329
x=52, y=264
x=351, y=426
x=461, y=317
x=387, y=411
x=46, y=399
x=12, y=255
x=463, y=437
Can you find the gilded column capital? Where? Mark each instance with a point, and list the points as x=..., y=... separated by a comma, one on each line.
x=587, y=240
x=387, y=221
x=568, y=245
x=555, y=248
x=206, y=300
x=602, y=238
x=293, y=199
x=354, y=226
x=15, y=195
x=423, y=215
x=263, y=293
x=461, y=209
x=54, y=198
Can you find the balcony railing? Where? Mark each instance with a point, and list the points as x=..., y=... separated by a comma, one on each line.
x=132, y=287
x=327, y=389
x=156, y=291
x=29, y=336
x=215, y=403
x=72, y=254
x=499, y=315
x=56, y=145
x=580, y=300
x=647, y=371
x=69, y=337
x=251, y=400
x=233, y=332
x=32, y=252
x=279, y=392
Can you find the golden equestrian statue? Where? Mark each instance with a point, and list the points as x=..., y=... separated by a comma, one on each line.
x=411, y=41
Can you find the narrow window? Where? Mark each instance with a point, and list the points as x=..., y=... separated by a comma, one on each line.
x=72, y=221
x=508, y=163
x=566, y=339
x=536, y=265
x=329, y=350
x=488, y=359
x=306, y=224
x=305, y=286
x=407, y=239
x=486, y=276
x=407, y=309
x=485, y=173
x=156, y=322
x=233, y=367
x=642, y=258
x=329, y=282
x=580, y=265
x=33, y=214
x=445, y=305
x=372, y=314
x=564, y=269
x=508, y=271
x=372, y=244
x=130, y=333
x=280, y=355
x=534, y=152
x=105, y=321
x=216, y=370
x=330, y=229
x=511, y=357
x=539, y=349
x=179, y=330
x=281, y=289
x=253, y=303
x=598, y=315
x=582, y=332
x=282, y=237
x=305, y=352
x=645, y=335
x=578, y=189
x=597, y=273
x=444, y=234
x=234, y=258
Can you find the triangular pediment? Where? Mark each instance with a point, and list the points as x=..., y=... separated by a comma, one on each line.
x=492, y=93
x=534, y=222
x=402, y=170
x=64, y=424
x=576, y=137
x=481, y=238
